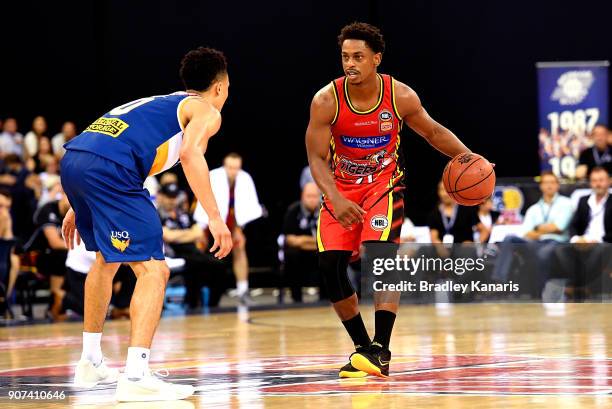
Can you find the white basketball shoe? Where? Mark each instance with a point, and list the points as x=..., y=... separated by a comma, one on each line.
x=150, y=388
x=87, y=375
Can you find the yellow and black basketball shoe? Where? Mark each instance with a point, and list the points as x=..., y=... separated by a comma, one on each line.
x=373, y=360
x=349, y=371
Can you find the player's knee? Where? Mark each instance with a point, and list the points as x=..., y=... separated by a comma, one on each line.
x=156, y=269
x=333, y=266
x=159, y=270
x=165, y=271
x=100, y=266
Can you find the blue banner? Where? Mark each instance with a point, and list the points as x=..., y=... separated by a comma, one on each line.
x=573, y=98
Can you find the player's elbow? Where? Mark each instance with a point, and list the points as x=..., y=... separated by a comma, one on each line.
x=186, y=156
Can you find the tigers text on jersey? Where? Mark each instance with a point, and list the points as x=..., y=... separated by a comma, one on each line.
x=145, y=134
x=365, y=145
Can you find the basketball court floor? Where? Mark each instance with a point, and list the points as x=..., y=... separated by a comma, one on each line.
x=445, y=356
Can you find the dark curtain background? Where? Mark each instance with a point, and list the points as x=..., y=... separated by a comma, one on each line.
x=472, y=63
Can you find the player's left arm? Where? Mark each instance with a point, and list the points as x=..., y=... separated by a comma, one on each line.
x=416, y=117
x=203, y=121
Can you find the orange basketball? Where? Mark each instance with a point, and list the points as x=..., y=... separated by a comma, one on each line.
x=469, y=179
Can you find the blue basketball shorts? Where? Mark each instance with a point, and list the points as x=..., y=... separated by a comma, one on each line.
x=114, y=212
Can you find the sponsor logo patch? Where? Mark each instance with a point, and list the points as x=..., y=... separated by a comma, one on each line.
x=366, y=142
x=385, y=119
x=379, y=222
x=108, y=126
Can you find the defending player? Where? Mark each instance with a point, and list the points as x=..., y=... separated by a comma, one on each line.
x=362, y=185
x=103, y=172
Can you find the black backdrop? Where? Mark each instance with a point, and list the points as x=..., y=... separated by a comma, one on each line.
x=472, y=63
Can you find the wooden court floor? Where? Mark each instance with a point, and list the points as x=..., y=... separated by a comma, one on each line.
x=461, y=356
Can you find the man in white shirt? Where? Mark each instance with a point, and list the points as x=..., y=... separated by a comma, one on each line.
x=238, y=204
x=545, y=225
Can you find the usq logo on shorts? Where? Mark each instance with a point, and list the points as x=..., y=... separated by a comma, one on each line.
x=120, y=240
x=379, y=222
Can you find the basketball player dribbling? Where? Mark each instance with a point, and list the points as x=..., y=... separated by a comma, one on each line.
x=363, y=113
x=103, y=172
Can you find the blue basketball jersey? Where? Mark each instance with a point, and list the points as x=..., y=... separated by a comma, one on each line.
x=144, y=135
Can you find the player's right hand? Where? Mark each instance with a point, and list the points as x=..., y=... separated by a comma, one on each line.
x=221, y=236
x=69, y=230
x=347, y=212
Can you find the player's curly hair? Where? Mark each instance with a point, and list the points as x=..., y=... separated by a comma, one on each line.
x=201, y=67
x=363, y=31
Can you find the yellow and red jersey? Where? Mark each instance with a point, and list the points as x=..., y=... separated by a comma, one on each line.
x=365, y=145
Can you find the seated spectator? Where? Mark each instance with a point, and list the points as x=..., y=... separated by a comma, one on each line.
x=57, y=142
x=581, y=265
x=22, y=185
x=545, y=225
x=39, y=161
x=50, y=183
x=487, y=218
x=78, y=264
x=451, y=223
x=301, y=264
x=592, y=222
x=169, y=178
x=39, y=129
x=47, y=240
x=6, y=233
x=180, y=235
x=11, y=141
x=598, y=155
x=305, y=177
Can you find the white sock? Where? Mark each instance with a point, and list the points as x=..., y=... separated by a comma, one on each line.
x=137, y=365
x=242, y=287
x=91, y=347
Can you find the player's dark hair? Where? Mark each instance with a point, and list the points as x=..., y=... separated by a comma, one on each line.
x=600, y=125
x=201, y=67
x=363, y=31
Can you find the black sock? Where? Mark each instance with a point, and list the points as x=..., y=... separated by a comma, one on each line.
x=357, y=330
x=384, y=321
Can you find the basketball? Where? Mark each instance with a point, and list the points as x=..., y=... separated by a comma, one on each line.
x=469, y=179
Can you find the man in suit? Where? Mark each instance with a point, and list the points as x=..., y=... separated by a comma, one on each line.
x=584, y=263
x=592, y=222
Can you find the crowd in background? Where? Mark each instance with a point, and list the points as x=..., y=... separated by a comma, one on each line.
x=33, y=253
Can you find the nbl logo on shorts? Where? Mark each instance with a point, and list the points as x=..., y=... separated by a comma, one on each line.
x=379, y=222
x=120, y=240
